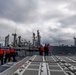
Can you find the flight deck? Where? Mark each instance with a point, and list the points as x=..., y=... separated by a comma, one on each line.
x=41, y=65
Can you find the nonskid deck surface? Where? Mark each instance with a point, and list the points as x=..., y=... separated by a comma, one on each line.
x=9, y=64
x=41, y=65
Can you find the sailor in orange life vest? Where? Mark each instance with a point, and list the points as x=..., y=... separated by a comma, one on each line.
x=41, y=50
x=7, y=55
x=46, y=49
x=1, y=55
x=13, y=53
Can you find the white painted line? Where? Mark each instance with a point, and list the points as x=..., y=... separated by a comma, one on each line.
x=34, y=57
x=20, y=73
x=27, y=65
x=12, y=66
x=70, y=59
x=25, y=68
x=15, y=64
x=60, y=67
x=44, y=69
x=48, y=69
x=43, y=59
x=40, y=67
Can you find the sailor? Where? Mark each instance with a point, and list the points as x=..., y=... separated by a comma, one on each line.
x=48, y=48
x=41, y=50
x=45, y=50
x=7, y=55
x=1, y=55
x=13, y=53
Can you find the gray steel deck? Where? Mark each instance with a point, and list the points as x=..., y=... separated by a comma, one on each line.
x=41, y=65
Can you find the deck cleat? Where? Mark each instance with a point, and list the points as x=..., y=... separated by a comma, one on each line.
x=69, y=73
x=20, y=70
x=17, y=73
x=66, y=69
x=41, y=65
x=41, y=70
x=63, y=67
x=22, y=67
x=30, y=60
x=74, y=69
x=69, y=65
x=57, y=61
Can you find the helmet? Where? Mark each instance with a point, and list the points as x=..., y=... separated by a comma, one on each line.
x=11, y=47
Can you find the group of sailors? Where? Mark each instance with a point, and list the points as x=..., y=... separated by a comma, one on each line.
x=7, y=55
x=44, y=50
x=10, y=54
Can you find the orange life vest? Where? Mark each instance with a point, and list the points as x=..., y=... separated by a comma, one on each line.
x=7, y=51
x=12, y=50
x=1, y=51
x=48, y=47
x=41, y=48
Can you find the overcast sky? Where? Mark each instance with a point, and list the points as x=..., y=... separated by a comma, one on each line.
x=56, y=19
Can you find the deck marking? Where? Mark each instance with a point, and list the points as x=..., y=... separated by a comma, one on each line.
x=44, y=69
x=60, y=66
x=43, y=59
x=39, y=73
x=28, y=65
x=70, y=59
x=48, y=69
x=13, y=65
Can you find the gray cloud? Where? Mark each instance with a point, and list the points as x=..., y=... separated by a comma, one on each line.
x=54, y=19
x=69, y=21
x=18, y=12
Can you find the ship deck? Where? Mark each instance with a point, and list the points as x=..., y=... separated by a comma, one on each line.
x=41, y=65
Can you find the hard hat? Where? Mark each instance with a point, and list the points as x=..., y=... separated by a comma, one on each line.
x=11, y=47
